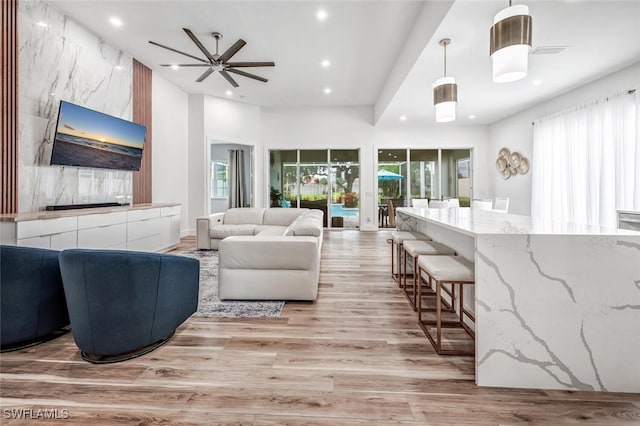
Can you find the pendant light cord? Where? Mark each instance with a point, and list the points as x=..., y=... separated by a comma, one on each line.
x=445, y=59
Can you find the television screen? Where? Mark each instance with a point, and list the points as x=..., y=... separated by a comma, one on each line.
x=88, y=138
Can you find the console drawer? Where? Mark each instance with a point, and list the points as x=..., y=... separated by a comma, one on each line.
x=101, y=219
x=108, y=236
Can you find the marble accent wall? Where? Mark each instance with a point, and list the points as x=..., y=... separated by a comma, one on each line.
x=62, y=60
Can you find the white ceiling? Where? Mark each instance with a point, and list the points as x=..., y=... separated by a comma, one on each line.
x=603, y=36
x=363, y=39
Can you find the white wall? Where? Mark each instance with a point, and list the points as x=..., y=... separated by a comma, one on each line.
x=516, y=132
x=170, y=107
x=352, y=128
x=196, y=162
x=220, y=120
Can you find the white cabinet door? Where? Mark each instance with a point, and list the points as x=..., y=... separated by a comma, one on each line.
x=101, y=219
x=64, y=240
x=146, y=235
x=174, y=230
x=39, y=242
x=109, y=236
x=42, y=227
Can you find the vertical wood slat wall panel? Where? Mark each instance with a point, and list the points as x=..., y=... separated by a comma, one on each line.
x=142, y=115
x=9, y=89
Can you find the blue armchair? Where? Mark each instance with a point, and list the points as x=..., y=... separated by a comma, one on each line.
x=123, y=304
x=32, y=303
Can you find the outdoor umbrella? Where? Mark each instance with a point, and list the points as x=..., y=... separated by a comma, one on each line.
x=384, y=174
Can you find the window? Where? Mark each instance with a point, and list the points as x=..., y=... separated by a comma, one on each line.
x=219, y=179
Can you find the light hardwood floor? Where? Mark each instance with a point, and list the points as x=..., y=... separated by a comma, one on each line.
x=356, y=357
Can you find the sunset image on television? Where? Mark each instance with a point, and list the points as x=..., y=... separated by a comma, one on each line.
x=87, y=138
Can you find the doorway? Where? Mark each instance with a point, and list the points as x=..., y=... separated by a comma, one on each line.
x=219, y=178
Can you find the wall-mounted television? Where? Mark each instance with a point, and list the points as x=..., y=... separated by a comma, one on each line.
x=88, y=138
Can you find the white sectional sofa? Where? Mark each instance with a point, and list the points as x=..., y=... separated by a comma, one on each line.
x=265, y=254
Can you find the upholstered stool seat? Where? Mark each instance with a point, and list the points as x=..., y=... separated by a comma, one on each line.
x=413, y=249
x=453, y=270
x=397, y=240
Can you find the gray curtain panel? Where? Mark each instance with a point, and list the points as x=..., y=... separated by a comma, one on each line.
x=236, y=178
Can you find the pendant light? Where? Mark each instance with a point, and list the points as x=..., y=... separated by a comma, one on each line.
x=510, y=43
x=445, y=92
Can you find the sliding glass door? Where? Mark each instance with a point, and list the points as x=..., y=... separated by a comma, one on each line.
x=322, y=179
x=404, y=174
x=345, y=189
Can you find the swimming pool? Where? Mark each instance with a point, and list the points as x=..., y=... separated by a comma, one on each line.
x=339, y=210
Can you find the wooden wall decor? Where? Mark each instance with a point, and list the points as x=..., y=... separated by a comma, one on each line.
x=142, y=115
x=9, y=90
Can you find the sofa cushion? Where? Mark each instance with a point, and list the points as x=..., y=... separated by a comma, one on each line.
x=271, y=231
x=281, y=217
x=223, y=231
x=309, y=225
x=243, y=216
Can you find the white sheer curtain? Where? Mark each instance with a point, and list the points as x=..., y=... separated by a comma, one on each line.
x=586, y=162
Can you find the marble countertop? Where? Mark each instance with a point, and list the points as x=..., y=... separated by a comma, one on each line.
x=486, y=222
x=21, y=217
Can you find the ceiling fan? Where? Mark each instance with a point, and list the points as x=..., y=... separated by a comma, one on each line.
x=217, y=62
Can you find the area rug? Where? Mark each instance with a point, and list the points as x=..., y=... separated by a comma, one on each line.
x=209, y=305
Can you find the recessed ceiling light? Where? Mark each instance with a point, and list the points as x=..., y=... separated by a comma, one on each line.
x=471, y=116
x=327, y=90
x=42, y=24
x=403, y=118
x=115, y=21
x=325, y=63
x=175, y=67
x=321, y=15
x=229, y=92
x=119, y=67
x=536, y=82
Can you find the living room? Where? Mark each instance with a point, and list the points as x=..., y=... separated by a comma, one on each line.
x=68, y=51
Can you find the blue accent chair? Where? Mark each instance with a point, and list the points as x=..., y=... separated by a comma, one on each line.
x=123, y=304
x=32, y=304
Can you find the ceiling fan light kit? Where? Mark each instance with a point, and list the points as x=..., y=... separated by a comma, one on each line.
x=445, y=92
x=510, y=42
x=216, y=62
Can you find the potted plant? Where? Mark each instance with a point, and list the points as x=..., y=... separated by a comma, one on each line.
x=350, y=199
x=276, y=197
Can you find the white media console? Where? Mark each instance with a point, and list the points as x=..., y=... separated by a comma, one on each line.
x=144, y=227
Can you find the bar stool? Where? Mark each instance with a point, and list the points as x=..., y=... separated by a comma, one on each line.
x=397, y=240
x=453, y=270
x=415, y=248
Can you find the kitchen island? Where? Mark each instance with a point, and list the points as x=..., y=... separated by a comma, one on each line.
x=557, y=305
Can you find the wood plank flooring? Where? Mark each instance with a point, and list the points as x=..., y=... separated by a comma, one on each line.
x=355, y=357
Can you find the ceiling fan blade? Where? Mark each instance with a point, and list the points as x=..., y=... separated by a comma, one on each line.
x=186, y=65
x=177, y=51
x=250, y=64
x=232, y=51
x=246, y=74
x=204, y=75
x=193, y=38
x=229, y=78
